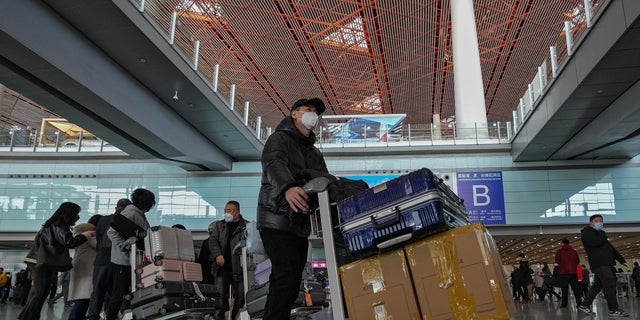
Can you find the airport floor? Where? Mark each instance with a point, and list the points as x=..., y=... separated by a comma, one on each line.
x=542, y=310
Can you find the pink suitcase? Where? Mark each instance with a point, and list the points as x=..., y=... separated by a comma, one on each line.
x=169, y=243
x=169, y=270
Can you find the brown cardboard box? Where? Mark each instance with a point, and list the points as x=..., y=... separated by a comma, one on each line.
x=458, y=275
x=379, y=288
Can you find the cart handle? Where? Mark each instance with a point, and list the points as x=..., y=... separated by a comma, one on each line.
x=316, y=185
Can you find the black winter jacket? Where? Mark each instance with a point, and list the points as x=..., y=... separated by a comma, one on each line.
x=285, y=155
x=218, y=243
x=58, y=235
x=599, y=251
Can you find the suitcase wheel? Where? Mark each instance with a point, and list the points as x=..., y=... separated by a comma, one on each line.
x=159, y=279
x=138, y=271
x=159, y=285
x=162, y=311
x=139, y=286
x=127, y=297
x=157, y=261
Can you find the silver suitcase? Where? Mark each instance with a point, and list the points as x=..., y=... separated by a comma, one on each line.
x=169, y=243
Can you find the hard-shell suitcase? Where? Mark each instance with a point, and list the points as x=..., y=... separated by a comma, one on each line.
x=256, y=299
x=311, y=299
x=169, y=243
x=168, y=297
x=169, y=270
x=261, y=273
x=411, y=206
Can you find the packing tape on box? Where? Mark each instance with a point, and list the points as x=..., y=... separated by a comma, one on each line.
x=372, y=275
x=447, y=262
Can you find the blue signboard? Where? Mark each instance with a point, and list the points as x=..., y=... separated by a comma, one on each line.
x=483, y=196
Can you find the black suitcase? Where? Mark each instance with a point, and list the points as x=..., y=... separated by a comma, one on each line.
x=257, y=297
x=168, y=297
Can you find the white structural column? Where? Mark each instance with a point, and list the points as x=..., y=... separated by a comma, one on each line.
x=436, y=128
x=467, y=75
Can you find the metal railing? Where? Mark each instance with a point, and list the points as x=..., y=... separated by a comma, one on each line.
x=32, y=141
x=418, y=135
x=180, y=26
x=575, y=30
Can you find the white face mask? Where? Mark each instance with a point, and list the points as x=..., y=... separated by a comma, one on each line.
x=228, y=217
x=309, y=119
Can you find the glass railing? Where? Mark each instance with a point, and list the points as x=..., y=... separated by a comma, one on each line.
x=575, y=29
x=180, y=22
x=31, y=141
x=417, y=135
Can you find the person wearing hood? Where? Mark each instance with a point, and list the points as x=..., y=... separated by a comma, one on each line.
x=80, y=284
x=283, y=206
x=226, y=234
x=142, y=200
x=568, y=261
x=602, y=259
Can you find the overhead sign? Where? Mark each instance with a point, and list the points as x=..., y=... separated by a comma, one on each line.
x=483, y=196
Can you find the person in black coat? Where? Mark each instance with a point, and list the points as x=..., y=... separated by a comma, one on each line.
x=58, y=227
x=227, y=235
x=204, y=260
x=283, y=205
x=602, y=259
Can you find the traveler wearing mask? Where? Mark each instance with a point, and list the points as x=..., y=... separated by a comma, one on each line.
x=602, y=257
x=283, y=205
x=225, y=236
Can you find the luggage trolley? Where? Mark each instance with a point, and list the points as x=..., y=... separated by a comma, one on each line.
x=136, y=260
x=324, y=207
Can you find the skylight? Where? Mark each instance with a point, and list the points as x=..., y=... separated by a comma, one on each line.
x=370, y=104
x=350, y=36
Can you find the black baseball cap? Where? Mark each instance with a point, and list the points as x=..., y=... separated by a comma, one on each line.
x=314, y=102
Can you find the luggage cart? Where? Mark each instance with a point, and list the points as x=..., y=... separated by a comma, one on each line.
x=136, y=260
x=324, y=209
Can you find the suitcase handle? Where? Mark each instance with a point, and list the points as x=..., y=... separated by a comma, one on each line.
x=396, y=219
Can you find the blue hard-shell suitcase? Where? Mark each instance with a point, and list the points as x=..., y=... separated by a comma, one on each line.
x=411, y=206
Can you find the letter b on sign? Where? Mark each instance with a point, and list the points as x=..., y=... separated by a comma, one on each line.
x=481, y=195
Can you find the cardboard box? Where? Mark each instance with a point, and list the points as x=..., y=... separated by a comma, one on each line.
x=379, y=288
x=458, y=275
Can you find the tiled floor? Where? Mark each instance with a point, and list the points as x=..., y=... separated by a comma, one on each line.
x=532, y=311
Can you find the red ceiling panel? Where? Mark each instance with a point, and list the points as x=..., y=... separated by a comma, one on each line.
x=346, y=52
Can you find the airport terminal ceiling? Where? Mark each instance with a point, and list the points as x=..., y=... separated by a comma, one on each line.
x=371, y=56
x=366, y=57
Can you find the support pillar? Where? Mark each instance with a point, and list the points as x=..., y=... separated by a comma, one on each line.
x=436, y=127
x=467, y=75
